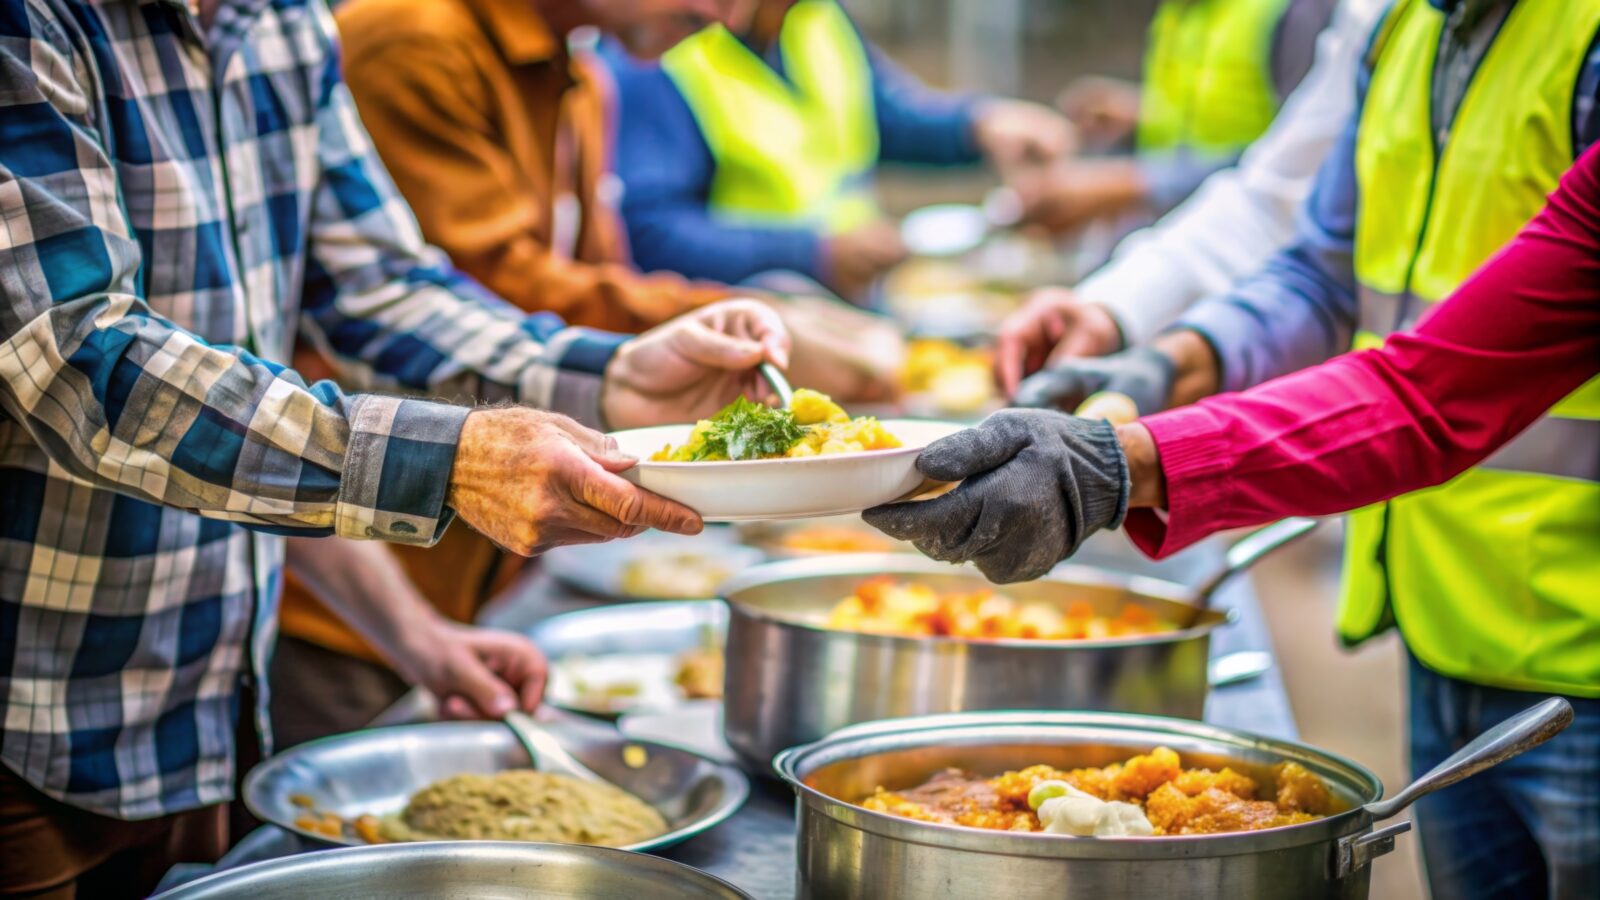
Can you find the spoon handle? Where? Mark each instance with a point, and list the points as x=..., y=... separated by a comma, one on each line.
x=780, y=384
x=544, y=750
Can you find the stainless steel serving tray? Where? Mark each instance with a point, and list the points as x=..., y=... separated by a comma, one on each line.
x=377, y=770
x=479, y=870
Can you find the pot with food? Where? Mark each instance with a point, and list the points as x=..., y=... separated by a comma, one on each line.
x=817, y=644
x=1049, y=804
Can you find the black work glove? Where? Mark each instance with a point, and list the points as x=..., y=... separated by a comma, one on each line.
x=1144, y=374
x=1037, y=483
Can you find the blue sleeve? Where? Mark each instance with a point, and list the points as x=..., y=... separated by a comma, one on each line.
x=1301, y=308
x=1171, y=176
x=917, y=124
x=666, y=169
x=1586, y=102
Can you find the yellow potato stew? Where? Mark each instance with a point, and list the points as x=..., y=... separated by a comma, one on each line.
x=813, y=425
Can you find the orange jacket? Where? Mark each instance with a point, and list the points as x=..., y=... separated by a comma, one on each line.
x=500, y=141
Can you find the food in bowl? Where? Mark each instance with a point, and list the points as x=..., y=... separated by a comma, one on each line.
x=515, y=805
x=525, y=805
x=618, y=682
x=813, y=425
x=675, y=576
x=885, y=605
x=1148, y=794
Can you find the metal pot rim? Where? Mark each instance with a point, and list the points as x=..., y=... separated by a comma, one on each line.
x=992, y=728
x=464, y=852
x=866, y=564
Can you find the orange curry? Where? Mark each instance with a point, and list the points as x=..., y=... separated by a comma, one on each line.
x=1175, y=800
x=885, y=606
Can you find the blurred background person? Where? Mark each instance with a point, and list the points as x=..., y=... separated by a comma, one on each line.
x=1233, y=224
x=497, y=134
x=1519, y=336
x=1215, y=74
x=750, y=149
x=1467, y=114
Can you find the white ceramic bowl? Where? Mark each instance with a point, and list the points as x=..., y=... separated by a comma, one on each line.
x=758, y=489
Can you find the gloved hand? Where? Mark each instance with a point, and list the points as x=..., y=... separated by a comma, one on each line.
x=1037, y=483
x=1144, y=374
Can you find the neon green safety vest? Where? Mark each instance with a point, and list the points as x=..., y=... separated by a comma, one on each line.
x=789, y=151
x=1493, y=577
x=1208, y=75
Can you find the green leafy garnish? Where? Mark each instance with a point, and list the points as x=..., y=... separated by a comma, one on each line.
x=745, y=430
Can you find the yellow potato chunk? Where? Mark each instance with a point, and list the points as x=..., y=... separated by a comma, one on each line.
x=814, y=408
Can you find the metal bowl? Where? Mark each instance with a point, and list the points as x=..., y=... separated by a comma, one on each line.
x=653, y=629
x=482, y=870
x=377, y=770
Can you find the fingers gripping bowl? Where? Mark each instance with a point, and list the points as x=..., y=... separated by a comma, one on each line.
x=817, y=462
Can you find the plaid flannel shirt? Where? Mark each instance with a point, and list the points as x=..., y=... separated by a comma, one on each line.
x=171, y=205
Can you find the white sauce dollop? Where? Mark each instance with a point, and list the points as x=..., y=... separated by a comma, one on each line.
x=1085, y=815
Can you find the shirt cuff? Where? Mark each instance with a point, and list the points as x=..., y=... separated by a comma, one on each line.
x=967, y=147
x=1217, y=321
x=1196, y=459
x=1170, y=178
x=397, y=469
x=585, y=350
x=1119, y=289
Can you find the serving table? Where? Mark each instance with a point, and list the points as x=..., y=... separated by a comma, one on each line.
x=755, y=848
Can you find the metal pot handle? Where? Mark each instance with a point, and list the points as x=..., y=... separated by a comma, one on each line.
x=1520, y=733
x=1244, y=553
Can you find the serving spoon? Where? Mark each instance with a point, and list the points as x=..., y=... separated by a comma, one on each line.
x=544, y=750
x=780, y=384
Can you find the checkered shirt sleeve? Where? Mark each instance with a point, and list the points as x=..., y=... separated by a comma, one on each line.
x=122, y=398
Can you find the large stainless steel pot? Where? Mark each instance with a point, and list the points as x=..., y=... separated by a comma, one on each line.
x=845, y=851
x=477, y=869
x=790, y=681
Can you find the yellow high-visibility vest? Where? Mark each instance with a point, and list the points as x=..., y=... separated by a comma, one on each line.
x=1207, y=82
x=1493, y=577
x=788, y=151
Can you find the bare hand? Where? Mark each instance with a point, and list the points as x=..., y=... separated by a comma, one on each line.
x=1073, y=193
x=856, y=258
x=693, y=365
x=476, y=673
x=1105, y=110
x=850, y=355
x=531, y=480
x=1051, y=326
x=1016, y=134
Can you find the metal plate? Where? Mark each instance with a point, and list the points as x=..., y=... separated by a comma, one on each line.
x=597, y=569
x=648, y=630
x=481, y=870
x=377, y=770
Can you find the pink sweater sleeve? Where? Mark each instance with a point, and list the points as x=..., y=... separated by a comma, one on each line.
x=1515, y=338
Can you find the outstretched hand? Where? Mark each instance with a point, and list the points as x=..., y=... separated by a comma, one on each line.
x=694, y=365
x=531, y=481
x=1035, y=485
